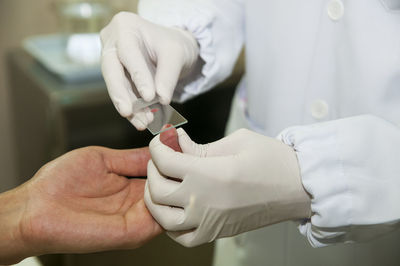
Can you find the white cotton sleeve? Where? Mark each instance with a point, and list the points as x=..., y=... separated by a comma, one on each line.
x=351, y=168
x=217, y=25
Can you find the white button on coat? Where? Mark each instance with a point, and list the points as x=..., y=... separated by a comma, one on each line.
x=319, y=109
x=335, y=9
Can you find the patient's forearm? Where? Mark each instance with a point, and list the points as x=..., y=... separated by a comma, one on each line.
x=12, y=246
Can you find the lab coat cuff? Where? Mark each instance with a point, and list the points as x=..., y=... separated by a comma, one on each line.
x=345, y=167
x=317, y=151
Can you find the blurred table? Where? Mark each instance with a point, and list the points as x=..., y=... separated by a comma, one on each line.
x=51, y=117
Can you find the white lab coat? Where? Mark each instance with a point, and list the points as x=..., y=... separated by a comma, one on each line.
x=326, y=75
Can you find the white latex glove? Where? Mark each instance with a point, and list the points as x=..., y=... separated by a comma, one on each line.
x=242, y=182
x=140, y=58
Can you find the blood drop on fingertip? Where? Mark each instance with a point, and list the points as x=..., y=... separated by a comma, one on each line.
x=170, y=138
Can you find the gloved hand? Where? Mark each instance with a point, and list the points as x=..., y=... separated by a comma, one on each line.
x=242, y=182
x=140, y=58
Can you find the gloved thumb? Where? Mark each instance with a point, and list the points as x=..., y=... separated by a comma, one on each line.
x=187, y=144
x=226, y=146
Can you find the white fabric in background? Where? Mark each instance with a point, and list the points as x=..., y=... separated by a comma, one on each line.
x=306, y=63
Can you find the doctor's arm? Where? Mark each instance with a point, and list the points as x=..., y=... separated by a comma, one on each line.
x=339, y=179
x=80, y=202
x=174, y=49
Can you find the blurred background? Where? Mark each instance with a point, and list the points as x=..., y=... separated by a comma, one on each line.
x=53, y=99
x=20, y=19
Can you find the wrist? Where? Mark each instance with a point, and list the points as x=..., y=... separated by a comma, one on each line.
x=292, y=202
x=300, y=198
x=12, y=245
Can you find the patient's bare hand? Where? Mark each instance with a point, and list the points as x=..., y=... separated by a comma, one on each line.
x=82, y=202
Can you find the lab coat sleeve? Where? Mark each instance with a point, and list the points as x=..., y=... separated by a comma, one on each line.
x=351, y=169
x=218, y=26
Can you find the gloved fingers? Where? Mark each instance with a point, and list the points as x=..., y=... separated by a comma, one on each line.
x=139, y=121
x=169, y=162
x=118, y=86
x=220, y=147
x=133, y=56
x=188, y=145
x=170, y=218
x=169, y=67
x=164, y=191
x=149, y=115
x=142, y=119
x=178, y=165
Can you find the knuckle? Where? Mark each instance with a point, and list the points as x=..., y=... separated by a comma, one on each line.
x=123, y=16
x=159, y=217
x=164, y=219
x=138, y=124
x=104, y=34
x=92, y=150
x=242, y=131
x=137, y=77
x=156, y=194
x=188, y=243
x=162, y=165
x=124, y=112
x=154, y=146
x=122, y=108
x=169, y=225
